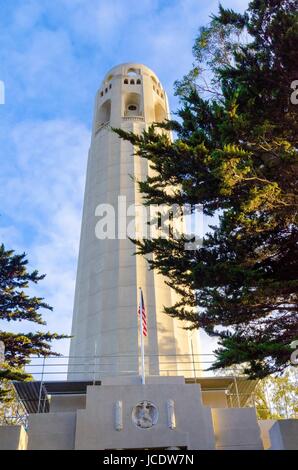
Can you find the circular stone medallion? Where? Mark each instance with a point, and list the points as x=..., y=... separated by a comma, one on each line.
x=145, y=414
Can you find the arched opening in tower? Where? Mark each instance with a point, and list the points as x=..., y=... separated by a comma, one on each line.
x=132, y=104
x=133, y=72
x=104, y=113
x=160, y=113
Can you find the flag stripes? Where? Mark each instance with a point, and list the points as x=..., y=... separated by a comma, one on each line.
x=142, y=310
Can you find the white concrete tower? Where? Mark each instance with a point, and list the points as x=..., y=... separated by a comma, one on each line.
x=105, y=321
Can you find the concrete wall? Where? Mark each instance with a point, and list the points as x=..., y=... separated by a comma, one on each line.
x=236, y=429
x=64, y=403
x=284, y=435
x=195, y=425
x=95, y=428
x=265, y=426
x=215, y=399
x=13, y=438
x=51, y=431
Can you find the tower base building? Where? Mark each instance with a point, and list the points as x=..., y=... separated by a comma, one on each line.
x=165, y=413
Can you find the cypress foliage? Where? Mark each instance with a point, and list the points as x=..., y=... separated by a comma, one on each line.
x=236, y=155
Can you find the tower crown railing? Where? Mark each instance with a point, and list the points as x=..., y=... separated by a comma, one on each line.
x=133, y=118
x=99, y=126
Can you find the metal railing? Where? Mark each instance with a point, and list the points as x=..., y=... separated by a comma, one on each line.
x=95, y=360
x=94, y=367
x=238, y=390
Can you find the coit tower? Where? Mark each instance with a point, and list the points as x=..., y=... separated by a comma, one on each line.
x=105, y=333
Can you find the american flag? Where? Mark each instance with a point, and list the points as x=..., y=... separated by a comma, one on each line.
x=144, y=316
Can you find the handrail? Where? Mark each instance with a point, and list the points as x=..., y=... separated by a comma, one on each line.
x=193, y=366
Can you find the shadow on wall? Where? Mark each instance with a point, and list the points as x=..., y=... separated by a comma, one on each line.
x=132, y=104
x=104, y=113
x=159, y=112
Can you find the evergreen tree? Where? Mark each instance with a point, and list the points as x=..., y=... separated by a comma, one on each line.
x=236, y=156
x=16, y=306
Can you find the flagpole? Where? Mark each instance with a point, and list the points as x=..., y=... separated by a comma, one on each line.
x=142, y=339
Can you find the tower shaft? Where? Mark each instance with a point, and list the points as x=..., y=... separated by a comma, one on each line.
x=105, y=321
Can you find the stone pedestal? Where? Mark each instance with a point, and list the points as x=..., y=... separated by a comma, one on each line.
x=52, y=431
x=13, y=438
x=236, y=429
x=165, y=412
x=284, y=435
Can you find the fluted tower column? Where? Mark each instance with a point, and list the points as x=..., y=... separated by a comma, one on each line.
x=105, y=322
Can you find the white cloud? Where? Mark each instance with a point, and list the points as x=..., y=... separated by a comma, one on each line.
x=44, y=196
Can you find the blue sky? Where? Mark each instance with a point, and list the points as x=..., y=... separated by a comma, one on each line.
x=53, y=56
